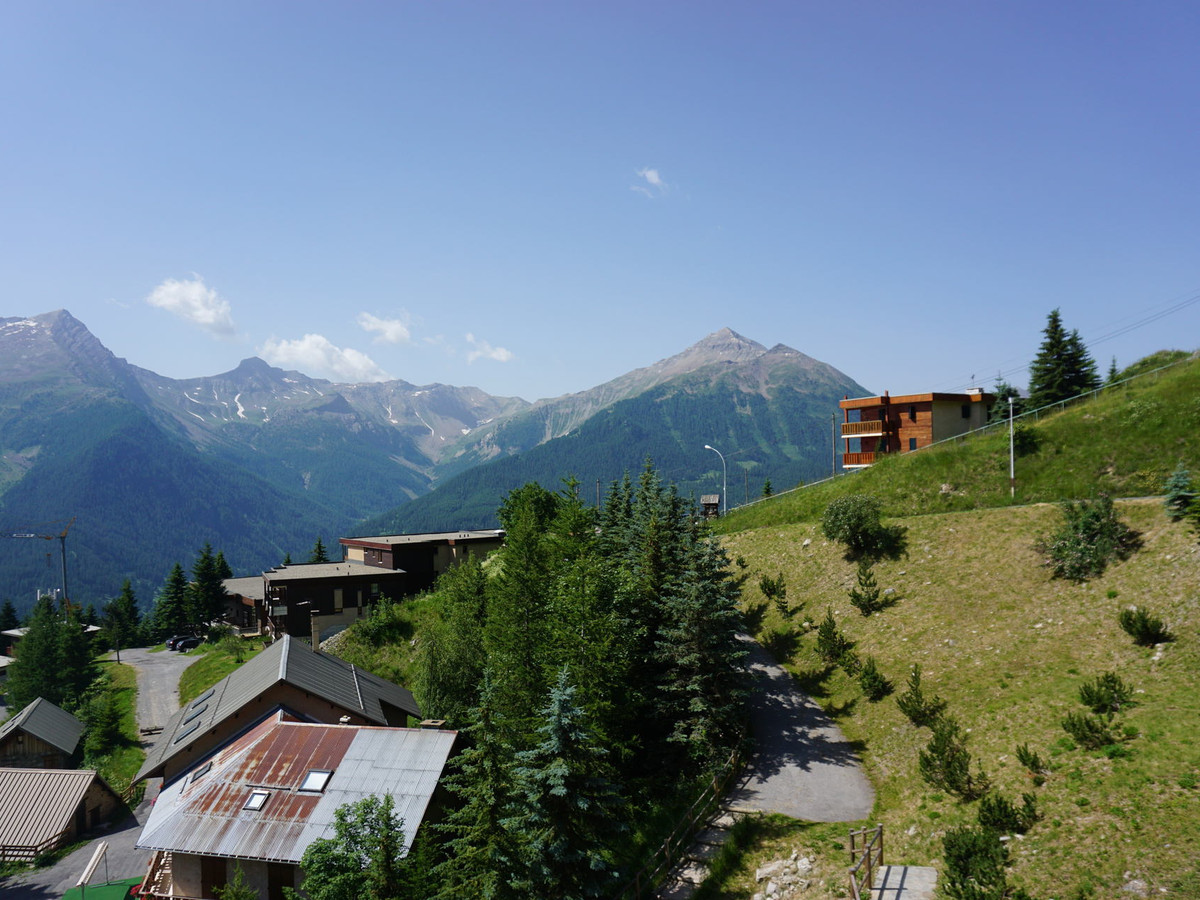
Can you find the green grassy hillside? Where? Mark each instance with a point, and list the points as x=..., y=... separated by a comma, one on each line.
x=1007, y=647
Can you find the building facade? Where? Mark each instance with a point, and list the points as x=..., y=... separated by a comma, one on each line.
x=874, y=426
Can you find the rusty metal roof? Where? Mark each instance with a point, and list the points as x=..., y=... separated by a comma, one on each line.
x=287, y=660
x=49, y=723
x=204, y=812
x=38, y=804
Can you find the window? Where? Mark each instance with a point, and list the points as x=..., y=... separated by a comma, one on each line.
x=316, y=780
x=257, y=800
x=912, y=412
x=912, y=443
x=966, y=410
x=201, y=772
x=337, y=599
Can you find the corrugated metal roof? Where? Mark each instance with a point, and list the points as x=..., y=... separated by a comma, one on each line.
x=44, y=720
x=37, y=804
x=296, y=663
x=206, y=815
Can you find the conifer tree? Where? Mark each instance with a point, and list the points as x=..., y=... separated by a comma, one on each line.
x=122, y=620
x=222, y=567
x=171, y=606
x=55, y=660
x=318, y=554
x=206, y=593
x=565, y=808
x=1062, y=368
x=451, y=664
x=8, y=616
x=1178, y=495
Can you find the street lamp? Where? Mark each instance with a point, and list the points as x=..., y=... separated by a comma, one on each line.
x=1012, y=474
x=724, y=488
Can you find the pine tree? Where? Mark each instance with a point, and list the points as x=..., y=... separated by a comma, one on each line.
x=1178, y=495
x=54, y=661
x=206, y=593
x=8, y=616
x=767, y=490
x=1062, y=368
x=566, y=810
x=318, y=554
x=1114, y=374
x=222, y=567
x=122, y=620
x=171, y=607
x=865, y=596
x=999, y=411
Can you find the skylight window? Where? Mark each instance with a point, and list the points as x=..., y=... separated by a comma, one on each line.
x=257, y=800
x=316, y=779
x=202, y=771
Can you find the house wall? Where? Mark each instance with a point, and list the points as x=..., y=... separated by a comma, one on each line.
x=187, y=878
x=30, y=752
x=100, y=804
x=948, y=418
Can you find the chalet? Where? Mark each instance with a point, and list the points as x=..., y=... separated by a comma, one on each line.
x=423, y=556
x=43, y=809
x=876, y=425
x=260, y=800
x=710, y=505
x=41, y=736
x=309, y=685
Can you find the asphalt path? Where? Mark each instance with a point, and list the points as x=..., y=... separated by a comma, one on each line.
x=803, y=766
x=157, y=700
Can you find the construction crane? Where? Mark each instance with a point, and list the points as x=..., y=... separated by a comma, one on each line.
x=61, y=537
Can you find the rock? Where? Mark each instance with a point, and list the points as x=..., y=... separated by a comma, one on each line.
x=912, y=829
x=772, y=889
x=1137, y=887
x=770, y=870
x=804, y=864
x=807, y=541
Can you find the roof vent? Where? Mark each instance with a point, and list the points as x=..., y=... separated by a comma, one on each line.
x=344, y=720
x=433, y=723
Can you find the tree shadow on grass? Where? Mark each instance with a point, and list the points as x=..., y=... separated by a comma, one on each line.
x=813, y=681
x=753, y=617
x=781, y=644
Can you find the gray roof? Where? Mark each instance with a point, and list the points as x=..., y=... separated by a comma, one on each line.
x=204, y=812
x=251, y=586
x=45, y=721
x=430, y=537
x=296, y=663
x=305, y=571
x=37, y=804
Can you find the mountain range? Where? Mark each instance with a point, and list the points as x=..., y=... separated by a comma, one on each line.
x=259, y=461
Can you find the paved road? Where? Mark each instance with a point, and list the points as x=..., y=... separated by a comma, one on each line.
x=802, y=766
x=158, y=699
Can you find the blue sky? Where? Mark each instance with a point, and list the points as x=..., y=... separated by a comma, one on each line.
x=536, y=197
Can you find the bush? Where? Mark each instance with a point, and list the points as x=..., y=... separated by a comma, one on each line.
x=1027, y=440
x=921, y=711
x=1106, y=695
x=854, y=520
x=974, y=864
x=1032, y=762
x=386, y=623
x=832, y=645
x=998, y=814
x=1090, y=538
x=1145, y=629
x=873, y=683
x=1088, y=731
x=775, y=590
x=946, y=763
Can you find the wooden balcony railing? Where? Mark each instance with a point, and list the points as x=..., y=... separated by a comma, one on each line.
x=861, y=429
x=857, y=459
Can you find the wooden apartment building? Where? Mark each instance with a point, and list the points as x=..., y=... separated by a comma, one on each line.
x=876, y=425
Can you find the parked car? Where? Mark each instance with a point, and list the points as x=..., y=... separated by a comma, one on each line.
x=188, y=643
x=172, y=641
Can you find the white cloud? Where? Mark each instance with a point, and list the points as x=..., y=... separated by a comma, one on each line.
x=484, y=350
x=194, y=302
x=652, y=178
x=314, y=355
x=390, y=331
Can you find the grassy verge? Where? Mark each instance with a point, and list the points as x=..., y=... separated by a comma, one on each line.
x=120, y=766
x=216, y=661
x=1008, y=648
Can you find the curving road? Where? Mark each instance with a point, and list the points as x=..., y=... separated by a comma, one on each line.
x=803, y=766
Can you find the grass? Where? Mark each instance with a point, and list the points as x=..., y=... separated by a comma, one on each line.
x=1125, y=442
x=1008, y=647
x=120, y=766
x=215, y=663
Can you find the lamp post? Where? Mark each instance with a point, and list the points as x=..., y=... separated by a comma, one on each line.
x=724, y=490
x=1012, y=473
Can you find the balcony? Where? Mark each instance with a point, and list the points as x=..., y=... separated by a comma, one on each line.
x=871, y=428
x=857, y=460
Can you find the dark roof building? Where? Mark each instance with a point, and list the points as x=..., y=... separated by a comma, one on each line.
x=41, y=736
x=422, y=556
x=42, y=809
x=288, y=675
x=264, y=797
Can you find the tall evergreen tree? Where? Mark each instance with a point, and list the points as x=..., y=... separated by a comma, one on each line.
x=8, y=616
x=566, y=809
x=1063, y=368
x=122, y=620
x=171, y=608
x=206, y=593
x=999, y=411
x=318, y=554
x=451, y=665
x=223, y=569
x=54, y=661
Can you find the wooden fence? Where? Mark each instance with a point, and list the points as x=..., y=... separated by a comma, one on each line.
x=866, y=855
x=672, y=849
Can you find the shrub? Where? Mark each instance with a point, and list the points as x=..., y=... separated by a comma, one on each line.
x=832, y=645
x=775, y=590
x=1031, y=761
x=1145, y=629
x=999, y=814
x=1088, y=731
x=1090, y=538
x=946, y=763
x=919, y=709
x=1106, y=695
x=854, y=520
x=1027, y=440
x=974, y=864
x=873, y=683
x=1178, y=494
x=865, y=596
